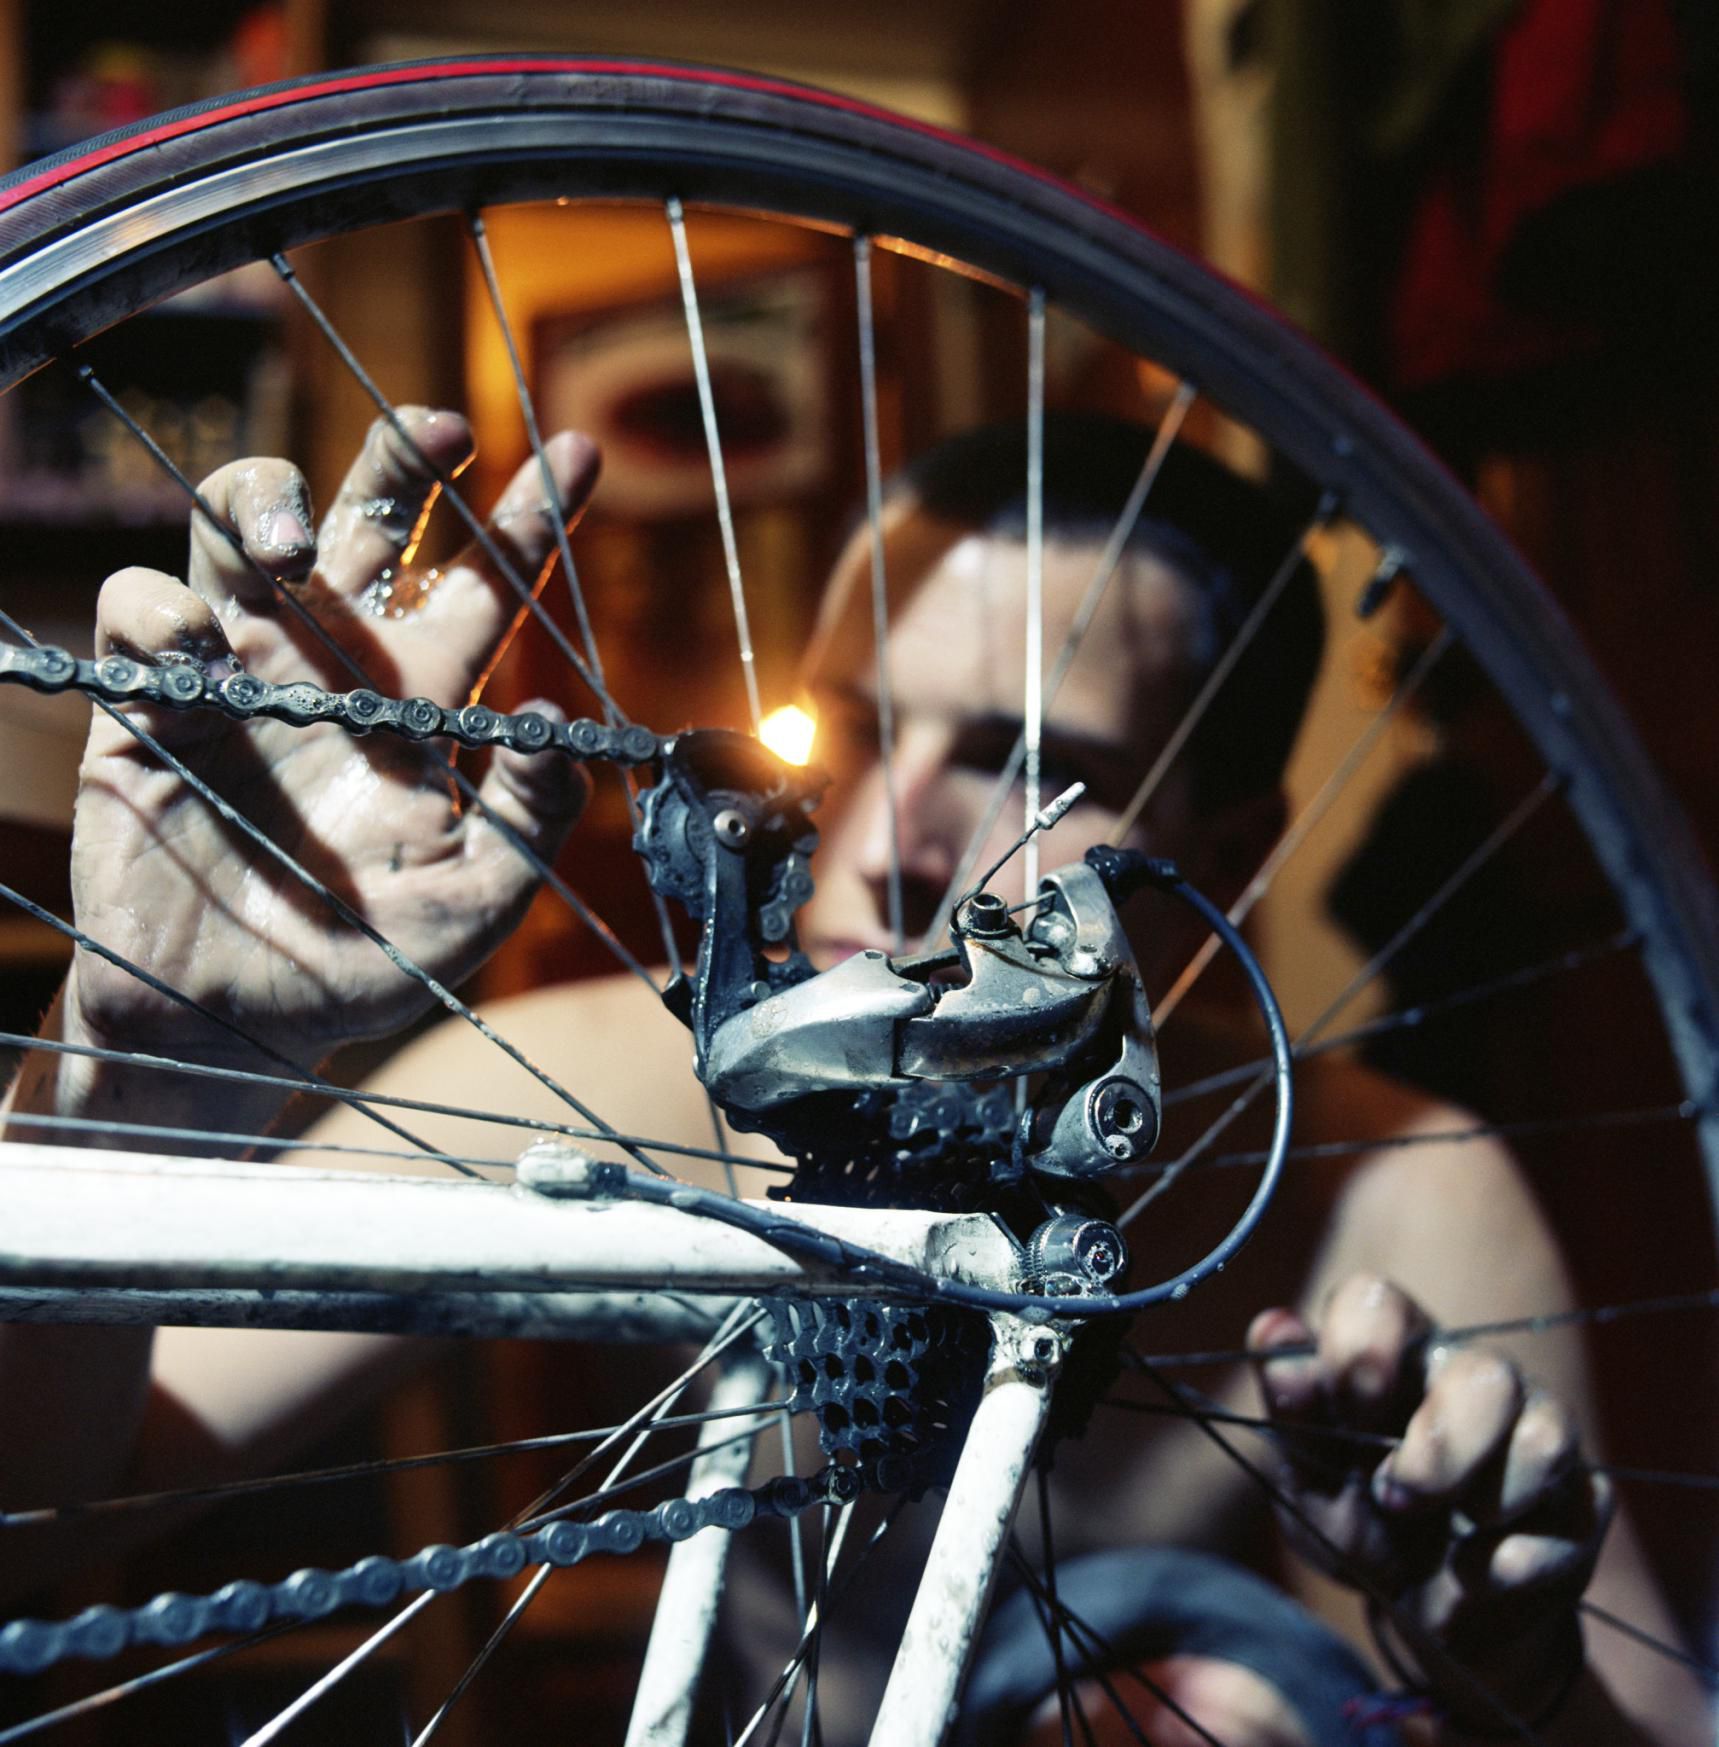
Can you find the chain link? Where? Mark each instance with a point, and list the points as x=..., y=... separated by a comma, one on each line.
x=117, y=679
x=173, y=1619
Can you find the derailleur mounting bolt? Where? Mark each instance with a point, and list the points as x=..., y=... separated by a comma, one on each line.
x=985, y=914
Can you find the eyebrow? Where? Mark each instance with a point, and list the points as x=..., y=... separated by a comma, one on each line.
x=1056, y=740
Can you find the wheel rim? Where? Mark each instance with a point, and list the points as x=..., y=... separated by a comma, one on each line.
x=1360, y=455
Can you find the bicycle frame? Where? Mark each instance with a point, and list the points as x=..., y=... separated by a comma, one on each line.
x=128, y=1238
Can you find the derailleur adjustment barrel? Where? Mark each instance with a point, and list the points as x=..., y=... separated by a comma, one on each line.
x=1073, y=1256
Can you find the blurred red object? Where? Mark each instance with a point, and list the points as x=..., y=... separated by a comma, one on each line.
x=1586, y=110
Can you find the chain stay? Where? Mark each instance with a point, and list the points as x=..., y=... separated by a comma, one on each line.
x=184, y=685
x=173, y=1619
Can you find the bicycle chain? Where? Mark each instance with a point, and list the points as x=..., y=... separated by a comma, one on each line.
x=185, y=685
x=174, y=1619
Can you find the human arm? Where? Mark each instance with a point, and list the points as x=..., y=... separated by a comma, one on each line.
x=160, y=880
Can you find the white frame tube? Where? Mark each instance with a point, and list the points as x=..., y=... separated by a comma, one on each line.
x=921, y=1701
x=135, y=1237
x=685, y=1619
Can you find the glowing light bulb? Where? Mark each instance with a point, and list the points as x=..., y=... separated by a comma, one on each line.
x=789, y=733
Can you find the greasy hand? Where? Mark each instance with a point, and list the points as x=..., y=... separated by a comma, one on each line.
x=161, y=880
x=1481, y=1525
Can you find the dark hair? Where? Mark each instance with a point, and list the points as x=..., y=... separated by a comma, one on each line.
x=1226, y=536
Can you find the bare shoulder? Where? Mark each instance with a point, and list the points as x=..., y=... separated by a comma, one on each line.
x=1420, y=1191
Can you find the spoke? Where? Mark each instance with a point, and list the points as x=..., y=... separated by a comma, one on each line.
x=671, y=1465
x=828, y=1545
x=1626, y=940
x=305, y=1076
x=797, y=1558
x=1109, y=559
x=273, y=1729
x=713, y=443
x=879, y=580
x=1315, y=810
x=1089, y=1667
x=505, y=568
x=545, y=474
x=1196, y=711
x=734, y=1326
x=347, y=663
x=1097, y=1647
x=1708, y=1671
x=228, y=1138
x=324, y=637
x=1490, y=847
x=1686, y=1111
x=541, y=1576
x=1053, y=1628
x=353, y=1470
x=1597, y=1315
x=353, y=919
x=1424, y=1646
x=489, y=1647
x=1210, y=1410
x=360, y=1100
x=525, y=1518
x=110, y=1695
x=723, y=1150
x=782, y=1689
x=1052, y=1617
x=1033, y=701
x=564, y=545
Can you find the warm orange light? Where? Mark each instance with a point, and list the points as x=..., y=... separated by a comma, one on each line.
x=789, y=733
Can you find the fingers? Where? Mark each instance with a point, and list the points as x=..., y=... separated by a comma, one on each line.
x=1360, y=1372
x=1370, y=1353
x=155, y=618
x=526, y=799
x=261, y=532
x=1554, y=1547
x=1468, y=1414
x=1481, y=1522
x=482, y=589
x=1291, y=1385
x=1543, y=1454
x=378, y=515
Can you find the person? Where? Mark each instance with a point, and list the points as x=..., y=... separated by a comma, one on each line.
x=1482, y=1522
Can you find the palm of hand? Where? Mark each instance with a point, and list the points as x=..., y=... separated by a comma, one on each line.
x=163, y=881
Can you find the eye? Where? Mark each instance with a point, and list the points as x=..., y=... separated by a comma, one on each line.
x=847, y=730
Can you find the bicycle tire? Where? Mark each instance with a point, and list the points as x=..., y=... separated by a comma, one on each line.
x=208, y=187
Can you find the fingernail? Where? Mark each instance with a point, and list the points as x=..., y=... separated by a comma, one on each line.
x=1390, y=1494
x=1367, y=1378
x=284, y=534
x=284, y=529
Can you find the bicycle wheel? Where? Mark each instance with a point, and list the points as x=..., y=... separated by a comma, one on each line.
x=95, y=235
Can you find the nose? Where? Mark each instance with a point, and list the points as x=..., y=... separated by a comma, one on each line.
x=928, y=834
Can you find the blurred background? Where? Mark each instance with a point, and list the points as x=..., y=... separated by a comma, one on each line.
x=1502, y=215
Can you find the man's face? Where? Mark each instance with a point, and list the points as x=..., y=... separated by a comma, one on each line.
x=957, y=656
